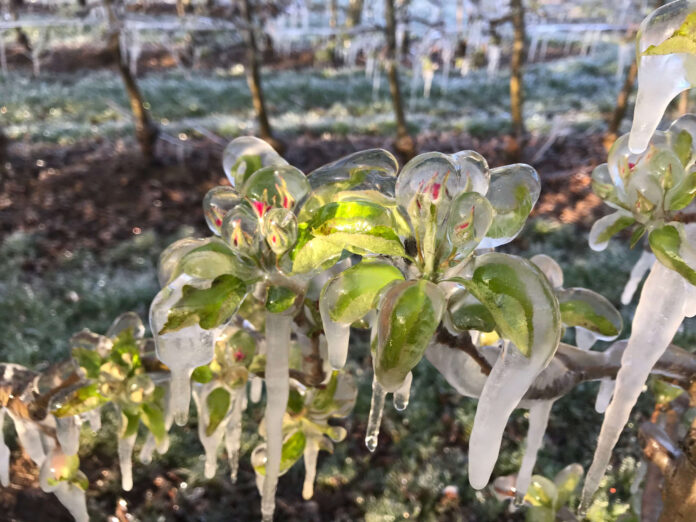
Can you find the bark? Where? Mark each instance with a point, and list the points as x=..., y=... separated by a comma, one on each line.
x=355, y=8
x=516, y=76
x=253, y=75
x=621, y=106
x=145, y=129
x=404, y=143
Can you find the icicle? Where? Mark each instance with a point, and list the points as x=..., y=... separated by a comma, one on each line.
x=148, y=449
x=74, y=500
x=401, y=396
x=30, y=438
x=211, y=442
x=659, y=313
x=337, y=337
x=255, y=389
x=311, y=453
x=375, y=418
x=4, y=453
x=68, y=433
x=638, y=271
x=606, y=390
x=584, y=338
x=233, y=433
x=125, y=453
x=538, y=421
x=510, y=378
x=277, y=391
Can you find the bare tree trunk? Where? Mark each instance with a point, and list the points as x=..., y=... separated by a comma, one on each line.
x=404, y=143
x=516, y=76
x=253, y=76
x=145, y=130
x=621, y=106
x=355, y=8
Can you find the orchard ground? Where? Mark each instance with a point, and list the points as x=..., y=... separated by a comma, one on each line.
x=82, y=222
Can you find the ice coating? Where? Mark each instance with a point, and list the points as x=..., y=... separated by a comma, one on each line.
x=310, y=455
x=606, y=390
x=217, y=202
x=53, y=478
x=474, y=168
x=233, y=432
x=74, y=500
x=182, y=351
x=125, y=460
x=403, y=393
x=4, y=453
x=660, y=77
x=538, y=421
x=255, y=389
x=243, y=155
x=31, y=439
x=598, y=239
x=94, y=419
x=337, y=336
x=584, y=338
x=658, y=315
x=211, y=442
x=374, y=420
x=551, y=269
x=513, y=373
x=68, y=433
x=170, y=257
x=644, y=263
x=277, y=391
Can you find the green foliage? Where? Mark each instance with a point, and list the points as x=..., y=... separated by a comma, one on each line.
x=683, y=40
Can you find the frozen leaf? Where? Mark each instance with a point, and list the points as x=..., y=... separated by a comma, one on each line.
x=280, y=230
x=409, y=313
x=168, y=266
x=671, y=247
x=83, y=399
x=202, y=374
x=513, y=192
x=473, y=168
x=245, y=155
x=606, y=227
x=567, y=481
x=153, y=418
x=293, y=448
x=218, y=403
x=279, y=299
x=470, y=218
x=590, y=310
x=275, y=187
x=467, y=313
x=207, y=307
x=683, y=40
x=241, y=231
x=550, y=268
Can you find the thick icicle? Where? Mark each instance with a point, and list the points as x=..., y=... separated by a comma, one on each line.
x=402, y=395
x=4, y=453
x=211, y=442
x=74, y=500
x=337, y=337
x=538, y=421
x=277, y=391
x=125, y=454
x=606, y=390
x=31, y=440
x=659, y=313
x=638, y=271
x=233, y=433
x=311, y=453
x=375, y=418
x=148, y=449
x=68, y=433
x=94, y=419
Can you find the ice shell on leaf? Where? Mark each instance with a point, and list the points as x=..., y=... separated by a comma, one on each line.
x=470, y=218
x=674, y=247
x=474, y=168
x=218, y=202
x=465, y=312
x=682, y=134
x=240, y=230
x=293, y=447
x=428, y=179
x=167, y=268
x=280, y=230
x=603, y=186
x=513, y=192
x=275, y=187
x=550, y=268
x=127, y=321
x=590, y=310
x=409, y=313
x=245, y=155
x=605, y=228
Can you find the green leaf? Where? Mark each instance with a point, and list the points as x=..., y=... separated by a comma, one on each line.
x=324, y=398
x=667, y=243
x=218, y=403
x=243, y=347
x=663, y=391
x=279, y=299
x=209, y=307
x=258, y=364
x=360, y=227
x=129, y=423
x=613, y=229
x=638, y=233
x=293, y=449
x=541, y=492
x=86, y=398
x=295, y=402
x=467, y=313
x=213, y=260
x=352, y=293
x=517, y=295
x=683, y=40
x=590, y=310
x=250, y=163
x=202, y=374
x=88, y=360
x=153, y=418
x=567, y=481
x=409, y=314
x=682, y=146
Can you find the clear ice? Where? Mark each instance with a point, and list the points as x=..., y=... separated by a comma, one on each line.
x=233, y=432
x=125, y=460
x=538, y=421
x=644, y=263
x=402, y=395
x=68, y=433
x=374, y=420
x=659, y=314
x=277, y=392
x=310, y=455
